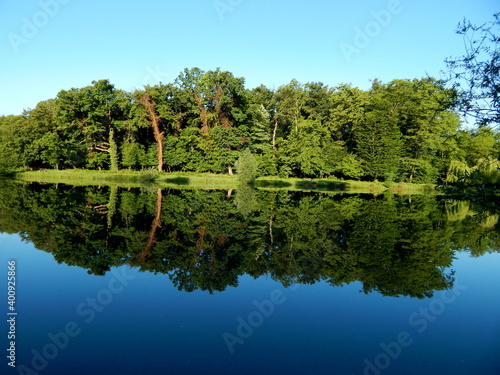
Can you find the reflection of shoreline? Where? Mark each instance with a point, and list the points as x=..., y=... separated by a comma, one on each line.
x=208, y=181
x=396, y=246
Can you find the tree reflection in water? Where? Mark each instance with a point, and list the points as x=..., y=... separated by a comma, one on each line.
x=394, y=245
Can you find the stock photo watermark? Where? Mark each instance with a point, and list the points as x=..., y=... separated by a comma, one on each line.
x=246, y=327
x=31, y=26
x=224, y=6
x=363, y=36
x=420, y=320
x=154, y=75
x=264, y=310
x=12, y=313
x=88, y=310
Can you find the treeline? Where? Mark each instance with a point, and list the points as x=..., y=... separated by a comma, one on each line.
x=393, y=245
x=404, y=130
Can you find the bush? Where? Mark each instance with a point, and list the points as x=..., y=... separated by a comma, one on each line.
x=246, y=167
x=149, y=175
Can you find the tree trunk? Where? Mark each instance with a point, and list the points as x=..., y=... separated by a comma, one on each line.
x=200, y=244
x=230, y=170
x=146, y=251
x=271, y=231
x=113, y=151
x=113, y=198
x=150, y=105
x=274, y=133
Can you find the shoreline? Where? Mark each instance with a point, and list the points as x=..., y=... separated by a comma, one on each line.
x=208, y=181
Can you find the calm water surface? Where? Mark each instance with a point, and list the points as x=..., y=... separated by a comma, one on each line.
x=123, y=281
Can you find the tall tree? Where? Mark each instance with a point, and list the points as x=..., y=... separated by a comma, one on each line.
x=150, y=107
x=422, y=109
x=476, y=74
x=13, y=143
x=92, y=115
x=378, y=138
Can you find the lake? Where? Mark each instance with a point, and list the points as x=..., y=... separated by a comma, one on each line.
x=113, y=280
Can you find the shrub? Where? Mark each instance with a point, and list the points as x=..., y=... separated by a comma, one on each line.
x=246, y=167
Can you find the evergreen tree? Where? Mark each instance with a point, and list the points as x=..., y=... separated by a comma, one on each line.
x=378, y=139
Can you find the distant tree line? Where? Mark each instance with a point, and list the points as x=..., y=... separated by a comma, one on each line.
x=404, y=130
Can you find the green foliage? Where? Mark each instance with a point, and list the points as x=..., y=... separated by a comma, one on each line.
x=260, y=130
x=284, y=171
x=97, y=160
x=219, y=148
x=133, y=154
x=245, y=200
x=378, y=144
x=395, y=246
x=303, y=151
x=403, y=130
x=350, y=166
x=246, y=167
x=485, y=173
x=457, y=171
x=266, y=165
x=475, y=75
x=113, y=152
x=150, y=175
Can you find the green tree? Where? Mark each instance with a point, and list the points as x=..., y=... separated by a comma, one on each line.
x=378, y=139
x=133, y=154
x=14, y=143
x=303, y=152
x=475, y=74
x=423, y=111
x=246, y=167
x=348, y=112
x=220, y=149
x=90, y=117
x=47, y=144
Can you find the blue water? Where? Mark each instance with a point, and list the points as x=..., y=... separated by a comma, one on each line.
x=139, y=323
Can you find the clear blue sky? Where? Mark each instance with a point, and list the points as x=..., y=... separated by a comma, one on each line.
x=69, y=43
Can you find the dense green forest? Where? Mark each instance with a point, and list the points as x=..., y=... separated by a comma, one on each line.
x=404, y=130
x=393, y=245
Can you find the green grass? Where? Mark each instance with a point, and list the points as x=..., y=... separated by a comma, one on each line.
x=347, y=186
x=191, y=180
x=128, y=178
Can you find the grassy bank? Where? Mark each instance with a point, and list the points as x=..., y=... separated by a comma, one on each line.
x=188, y=180
x=348, y=186
x=129, y=178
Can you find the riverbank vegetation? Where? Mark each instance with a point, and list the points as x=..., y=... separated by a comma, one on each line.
x=205, y=240
x=151, y=178
x=405, y=131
